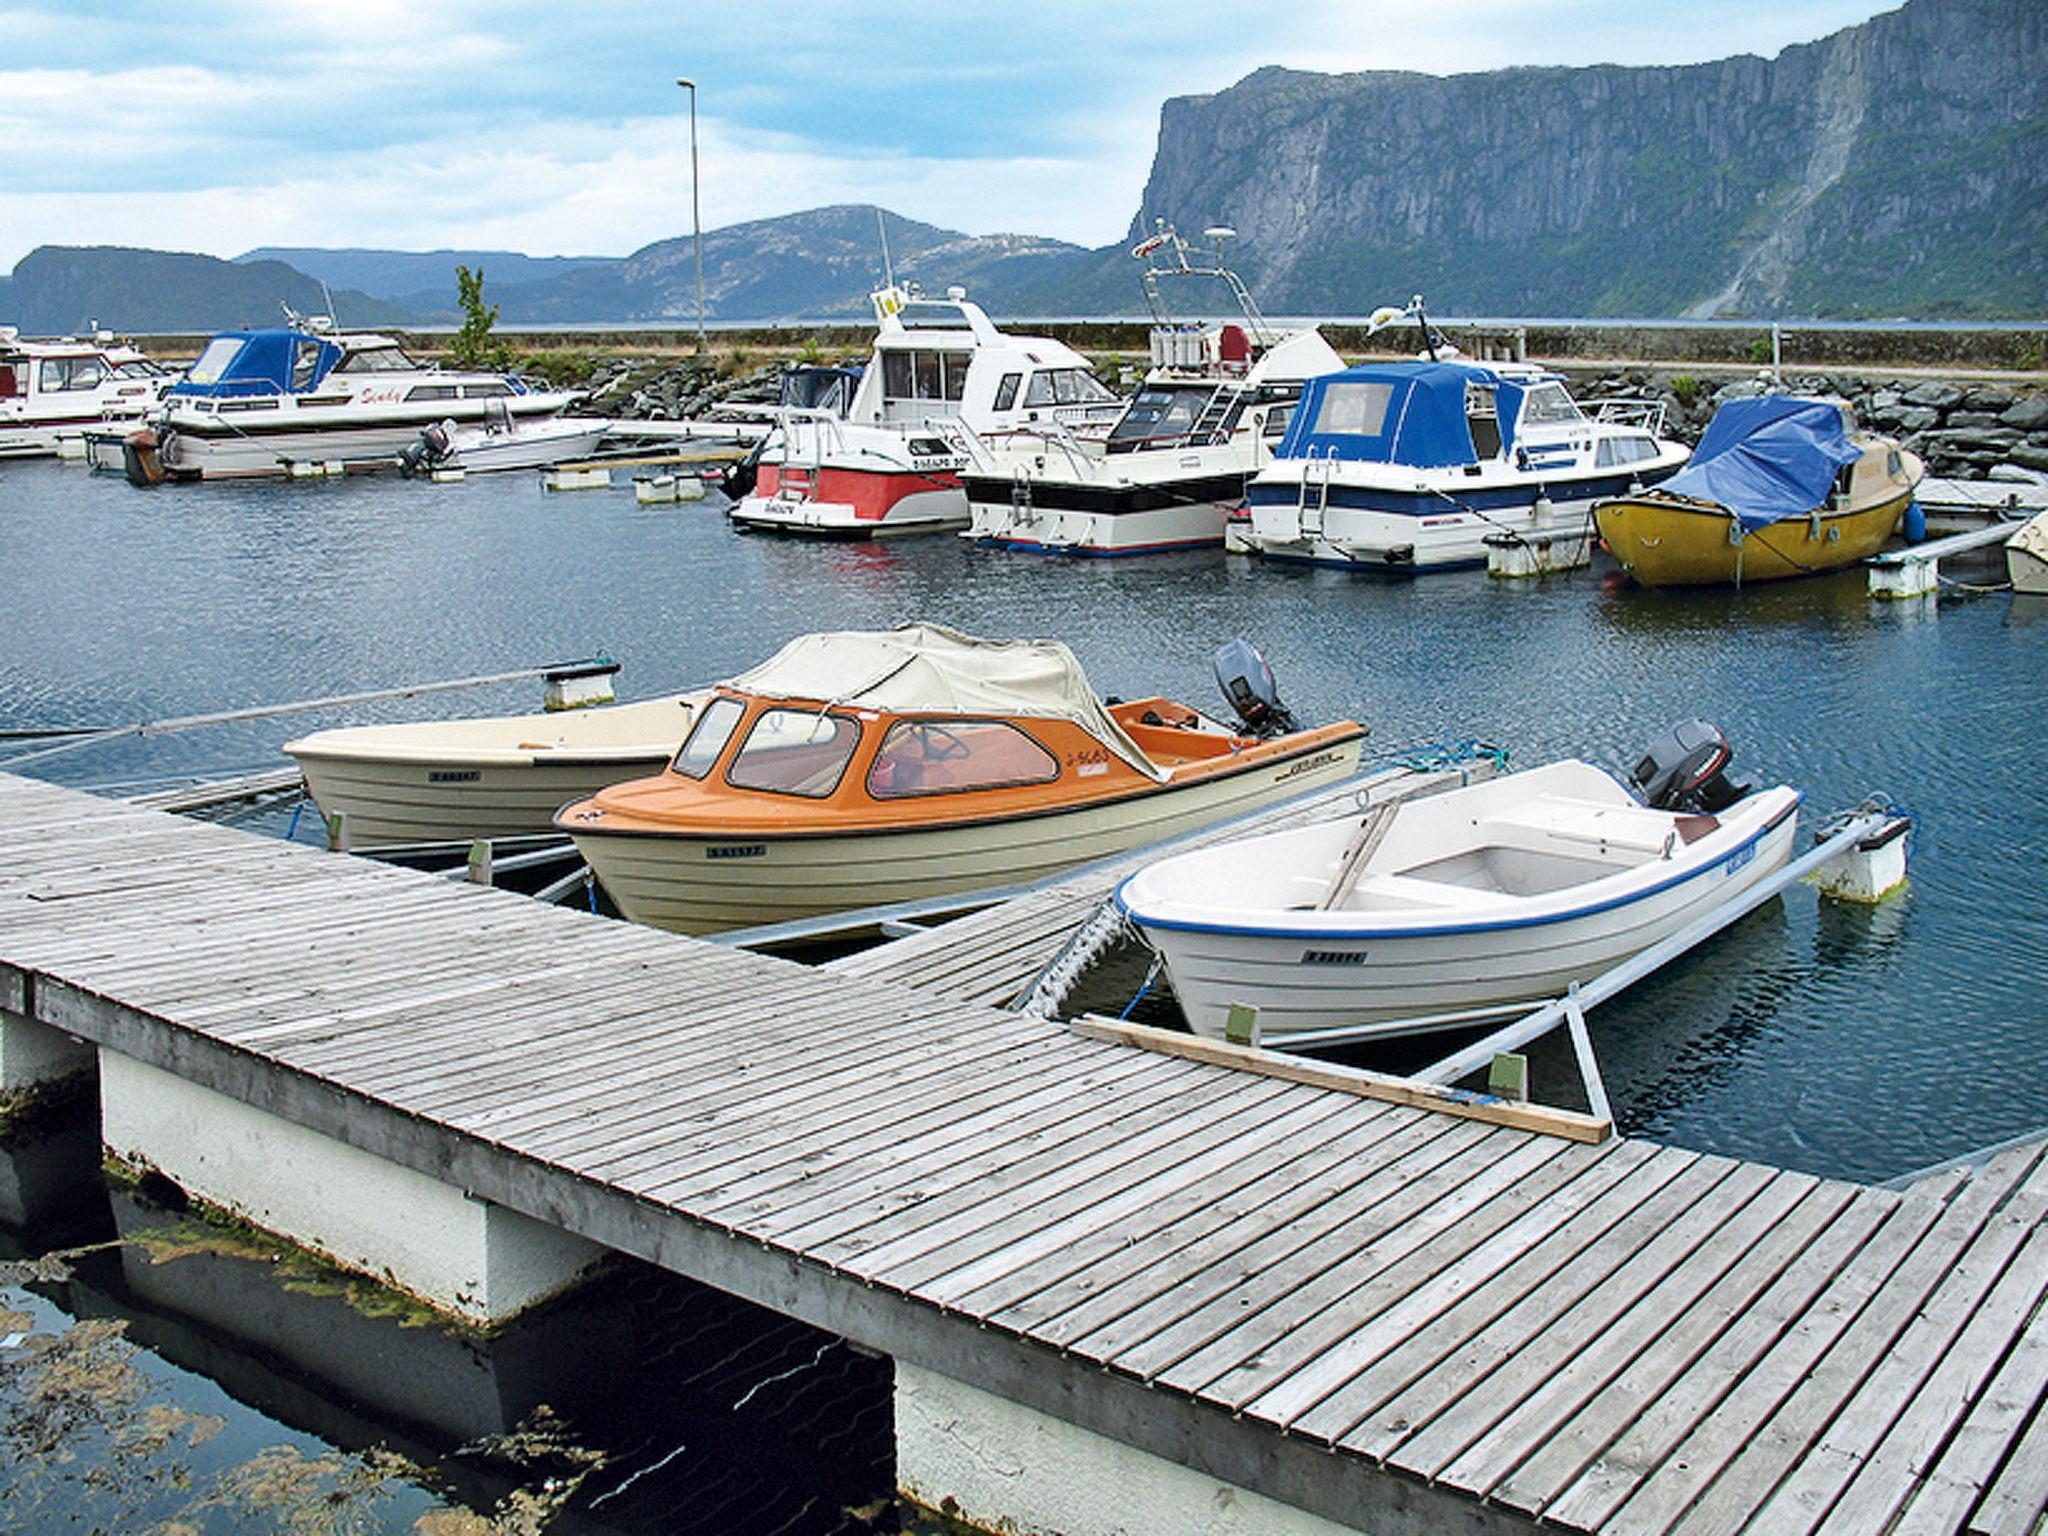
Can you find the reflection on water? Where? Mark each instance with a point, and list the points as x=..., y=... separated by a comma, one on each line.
x=158, y=1373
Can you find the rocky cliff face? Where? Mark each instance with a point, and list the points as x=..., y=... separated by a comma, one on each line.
x=1895, y=168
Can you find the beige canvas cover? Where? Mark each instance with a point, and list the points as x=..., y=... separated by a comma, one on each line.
x=930, y=669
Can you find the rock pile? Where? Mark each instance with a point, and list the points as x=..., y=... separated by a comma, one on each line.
x=645, y=391
x=1964, y=431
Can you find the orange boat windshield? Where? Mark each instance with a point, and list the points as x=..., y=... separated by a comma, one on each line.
x=757, y=764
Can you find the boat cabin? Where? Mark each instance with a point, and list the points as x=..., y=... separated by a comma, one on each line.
x=323, y=368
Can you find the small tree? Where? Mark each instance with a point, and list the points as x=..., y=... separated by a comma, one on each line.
x=473, y=347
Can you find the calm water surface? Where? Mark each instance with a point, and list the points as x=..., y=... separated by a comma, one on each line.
x=1844, y=1042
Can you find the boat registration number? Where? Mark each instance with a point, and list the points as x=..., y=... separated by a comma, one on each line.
x=736, y=851
x=1740, y=857
x=453, y=776
x=1333, y=957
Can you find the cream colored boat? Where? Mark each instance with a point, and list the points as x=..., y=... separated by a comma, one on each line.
x=506, y=776
x=859, y=769
x=2026, y=557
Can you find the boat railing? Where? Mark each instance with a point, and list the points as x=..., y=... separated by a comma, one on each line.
x=1632, y=411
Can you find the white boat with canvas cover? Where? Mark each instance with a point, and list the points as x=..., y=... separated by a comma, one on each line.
x=1206, y=419
x=438, y=781
x=1500, y=893
x=891, y=462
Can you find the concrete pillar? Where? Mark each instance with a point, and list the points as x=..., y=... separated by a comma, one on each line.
x=463, y=1255
x=32, y=1054
x=1002, y=1467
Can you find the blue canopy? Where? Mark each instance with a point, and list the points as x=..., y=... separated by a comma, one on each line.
x=1768, y=458
x=261, y=362
x=1397, y=413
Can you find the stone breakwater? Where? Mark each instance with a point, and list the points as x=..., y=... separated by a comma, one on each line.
x=1964, y=430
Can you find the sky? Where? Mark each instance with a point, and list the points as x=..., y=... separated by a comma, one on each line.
x=558, y=128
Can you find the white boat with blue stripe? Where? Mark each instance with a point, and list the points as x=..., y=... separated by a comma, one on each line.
x=1501, y=893
x=1408, y=466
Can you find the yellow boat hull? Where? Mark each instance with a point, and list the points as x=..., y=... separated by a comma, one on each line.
x=1668, y=541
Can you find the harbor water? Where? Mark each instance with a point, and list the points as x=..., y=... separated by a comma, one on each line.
x=1849, y=1042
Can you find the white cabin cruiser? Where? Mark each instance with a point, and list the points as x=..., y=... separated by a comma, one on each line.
x=1174, y=464
x=1408, y=466
x=891, y=464
x=257, y=401
x=57, y=391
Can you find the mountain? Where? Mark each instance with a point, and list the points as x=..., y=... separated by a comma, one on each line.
x=1896, y=167
x=815, y=264
x=418, y=279
x=60, y=289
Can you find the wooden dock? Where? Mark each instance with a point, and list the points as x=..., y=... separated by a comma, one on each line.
x=1396, y=1319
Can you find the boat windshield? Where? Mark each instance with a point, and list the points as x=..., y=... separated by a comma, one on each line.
x=936, y=757
x=376, y=360
x=1066, y=386
x=1546, y=404
x=213, y=362
x=1161, y=412
x=795, y=752
x=713, y=730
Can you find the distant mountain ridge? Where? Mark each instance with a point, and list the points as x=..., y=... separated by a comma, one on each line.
x=1896, y=168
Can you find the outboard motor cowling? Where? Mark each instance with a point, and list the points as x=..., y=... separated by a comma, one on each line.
x=1246, y=680
x=426, y=451
x=1685, y=770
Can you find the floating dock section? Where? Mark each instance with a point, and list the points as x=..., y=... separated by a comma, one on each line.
x=1124, y=1291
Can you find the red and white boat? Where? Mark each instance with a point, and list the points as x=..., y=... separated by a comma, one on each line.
x=54, y=392
x=891, y=464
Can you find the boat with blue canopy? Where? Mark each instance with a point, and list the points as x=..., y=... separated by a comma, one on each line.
x=1409, y=465
x=257, y=401
x=1781, y=485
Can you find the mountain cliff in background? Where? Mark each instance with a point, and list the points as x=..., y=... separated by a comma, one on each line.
x=1899, y=167
x=60, y=289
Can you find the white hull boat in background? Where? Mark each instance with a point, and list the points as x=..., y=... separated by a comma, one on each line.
x=440, y=781
x=1174, y=464
x=502, y=441
x=1501, y=893
x=53, y=393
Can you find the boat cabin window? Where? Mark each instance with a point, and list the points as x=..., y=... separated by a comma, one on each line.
x=60, y=373
x=213, y=362
x=708, y=737
x=924, y=375
x=930, y=315
x=305, y=364
x=1160, y=413
x=376, y=360
x=941, y=757
x=431, y=392
x=794, y=752
x=10, y=386
x=1482, y=420
x=1547, y=404
x=1354, y=410
x=1066, y=386
x=1628, y=449
x=1277, y=419
x=497, y=389
x=1006, y=391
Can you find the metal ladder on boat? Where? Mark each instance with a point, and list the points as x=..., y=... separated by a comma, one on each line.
x=1308, y=510
x=799, y=477
x=1208, y=426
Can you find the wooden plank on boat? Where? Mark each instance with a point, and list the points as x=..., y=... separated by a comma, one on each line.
x=1569, y=1124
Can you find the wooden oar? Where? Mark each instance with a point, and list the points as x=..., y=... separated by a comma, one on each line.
x=1371, y=833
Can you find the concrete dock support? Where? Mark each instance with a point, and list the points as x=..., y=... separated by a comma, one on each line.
x=463, y=1255
x=33, y=1054
x=1003, y=1467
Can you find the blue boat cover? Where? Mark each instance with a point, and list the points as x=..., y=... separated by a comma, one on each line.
x=1397, y=413
x=270, y=361
x=1768, y=458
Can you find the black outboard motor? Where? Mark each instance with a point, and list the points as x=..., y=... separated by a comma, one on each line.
x=1683, y=770
x=737, y=479
x=1246, y=680
x=427, y=450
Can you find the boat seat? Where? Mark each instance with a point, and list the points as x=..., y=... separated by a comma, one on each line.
x=1631, y=828
x=1415, y=892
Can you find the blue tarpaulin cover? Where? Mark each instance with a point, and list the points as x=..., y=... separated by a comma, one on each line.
x=270, y=361
x=1768, y=458
x=1396, y=413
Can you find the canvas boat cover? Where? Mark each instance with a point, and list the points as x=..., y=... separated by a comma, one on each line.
x=1411, y=414
x=929, y=669
x=271, y=361
x=1768, y=458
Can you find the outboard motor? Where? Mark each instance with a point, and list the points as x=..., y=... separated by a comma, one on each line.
x=737, y=479
x=429, y=449
x=1246, y=680
x=1683, y=770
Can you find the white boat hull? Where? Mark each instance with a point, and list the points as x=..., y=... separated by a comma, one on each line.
x=2026, y=557
x=693, y=884
x=455, y=780
x=532, y=445
x=1425, y=946
x=207, y=451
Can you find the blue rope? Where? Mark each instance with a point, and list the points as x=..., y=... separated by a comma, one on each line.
x=1449, y=754
x=1150, y=977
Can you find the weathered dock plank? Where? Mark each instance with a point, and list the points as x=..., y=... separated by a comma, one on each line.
x=1404, y=1321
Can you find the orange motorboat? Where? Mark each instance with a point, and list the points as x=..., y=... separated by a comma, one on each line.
x=858, y=769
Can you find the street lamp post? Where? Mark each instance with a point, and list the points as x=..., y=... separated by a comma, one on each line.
x=696, y=220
